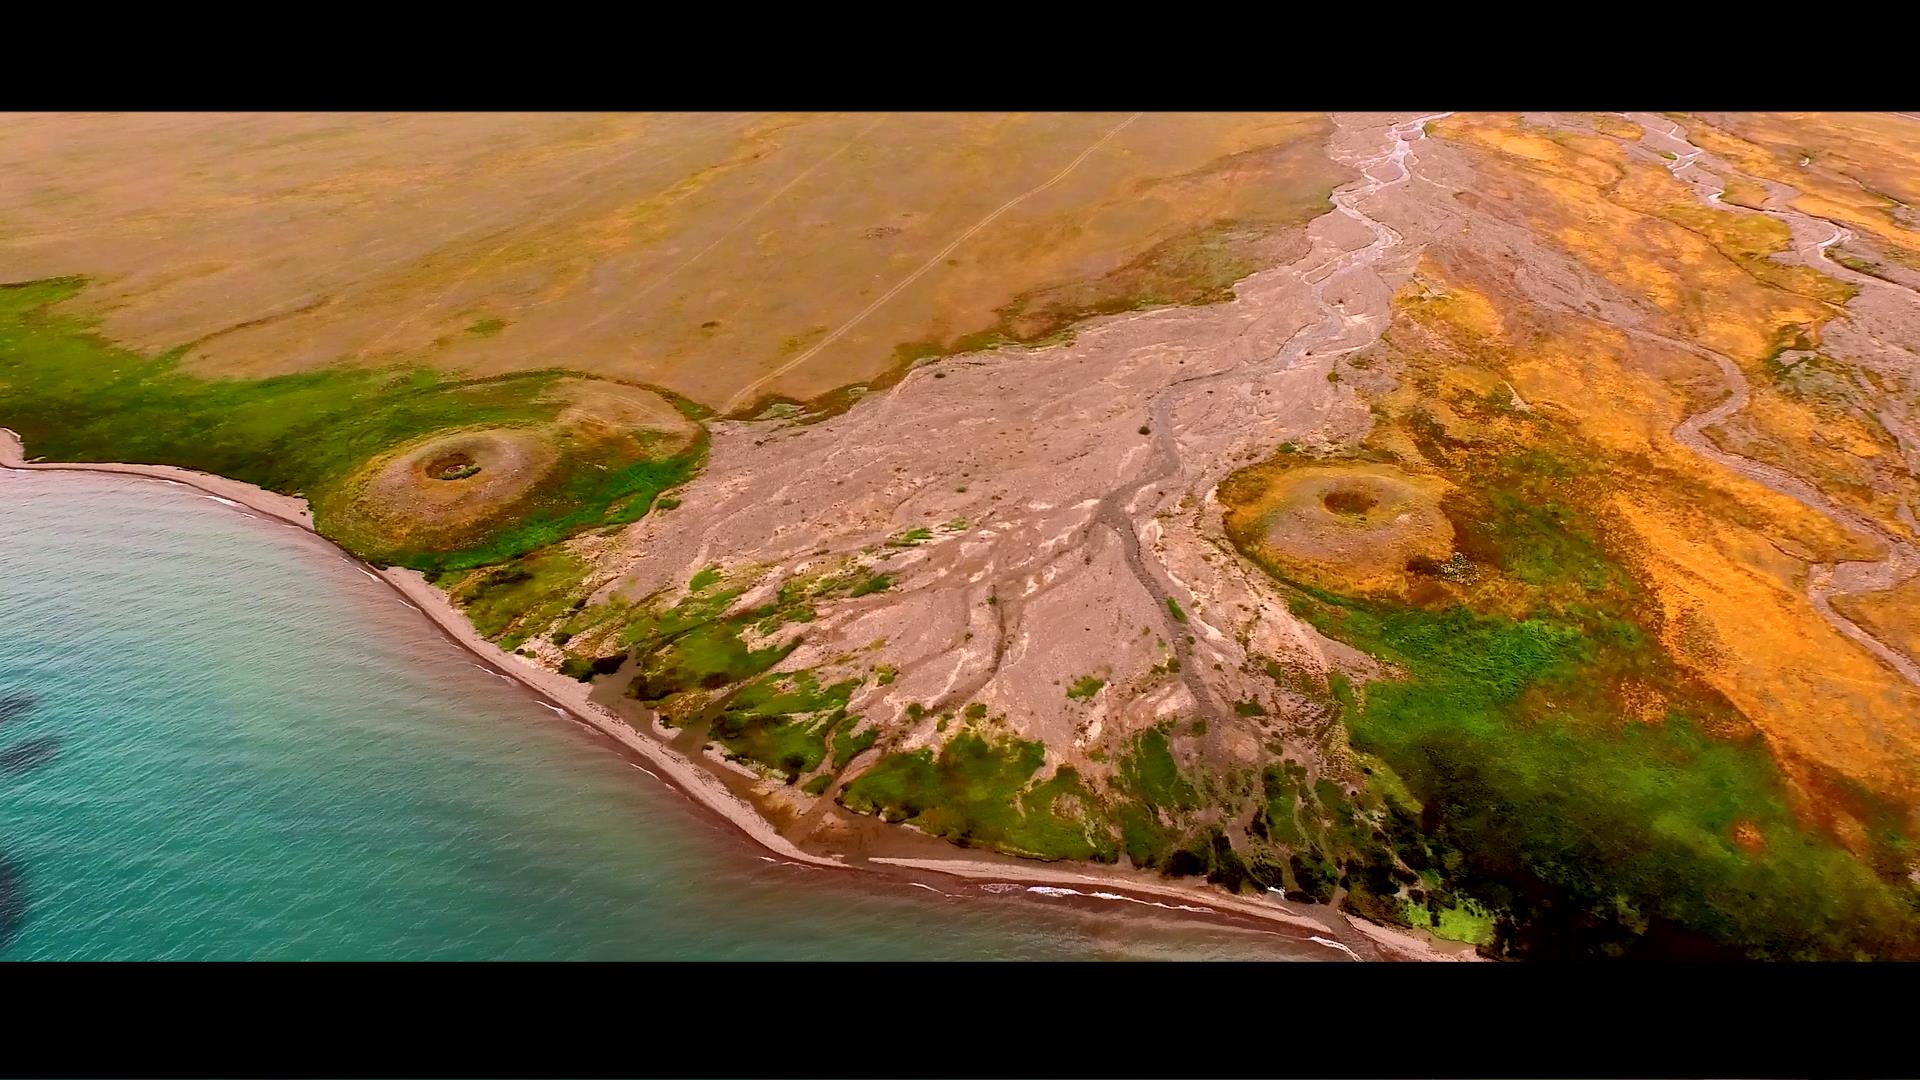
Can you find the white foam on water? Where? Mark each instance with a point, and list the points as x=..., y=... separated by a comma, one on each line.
x=1332, y=944
x=1058, y=890
x=221, y=501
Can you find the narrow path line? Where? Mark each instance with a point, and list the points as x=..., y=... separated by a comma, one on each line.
x=515, y=231
x=746, y=392
x=734, y=228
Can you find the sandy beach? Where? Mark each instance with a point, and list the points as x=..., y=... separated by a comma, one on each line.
x=569, y=697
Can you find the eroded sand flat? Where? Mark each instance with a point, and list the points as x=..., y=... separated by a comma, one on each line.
x=1078, y=527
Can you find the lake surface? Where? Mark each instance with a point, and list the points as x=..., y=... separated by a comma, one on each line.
x=220, y=739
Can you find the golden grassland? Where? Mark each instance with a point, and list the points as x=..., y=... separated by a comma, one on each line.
x=1726, y=559
x=1645, y=232
x=1641, y=229
x=696, y=252
x=1860, y=167
x=1892, y=615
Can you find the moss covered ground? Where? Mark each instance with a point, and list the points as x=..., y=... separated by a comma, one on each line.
x=983, y=789
x=74, y=396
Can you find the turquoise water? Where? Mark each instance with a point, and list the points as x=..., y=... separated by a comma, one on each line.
x=220, y=740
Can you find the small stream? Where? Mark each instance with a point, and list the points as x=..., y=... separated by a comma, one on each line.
x=1825, y=580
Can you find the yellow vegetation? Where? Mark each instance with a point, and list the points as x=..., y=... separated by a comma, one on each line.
x=1892, y=615
x=1736, y=611
x=1726, y=558
x=1853, y=158
x=1617, y=126
x=1743, y=192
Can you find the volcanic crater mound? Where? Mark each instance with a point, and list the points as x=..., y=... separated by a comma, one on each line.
x=438, y=487
x=1352, y=526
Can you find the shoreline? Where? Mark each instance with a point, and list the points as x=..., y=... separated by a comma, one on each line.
x=570, y=698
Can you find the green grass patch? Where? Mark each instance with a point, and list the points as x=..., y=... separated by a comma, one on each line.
x=1278, y=819
x=700, y=643
x=849, y=744
x=1148, y=773
x=783, y=720
x=74, y=396
x=696, y=645
x=585, y=668
x=1464, y=921
x=686, y=407
x=710, y=656
x=487, y=327
x=648, y=626
x=1085, y=687
x=1522, y=524
x=1173, y=608
x=1586, y=832
x=981, y=792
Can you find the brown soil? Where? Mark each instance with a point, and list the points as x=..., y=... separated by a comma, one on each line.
x=453, y=466
x=1748, y=837
x=1349, y=502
